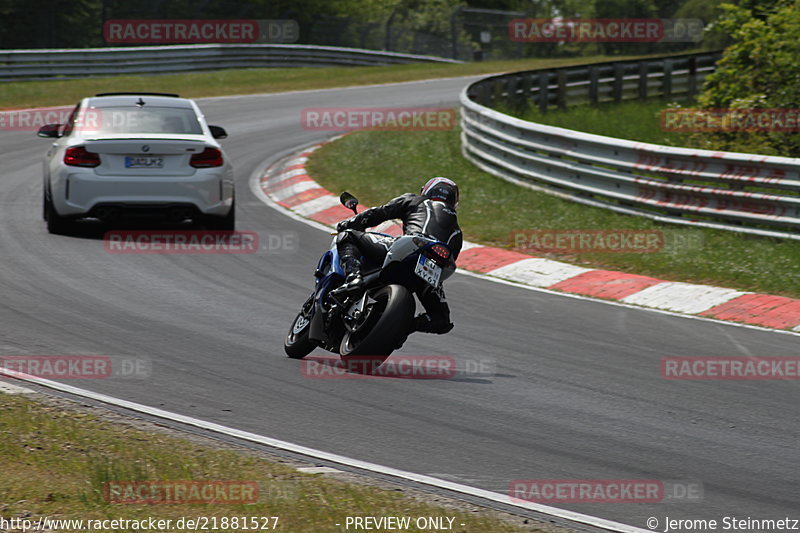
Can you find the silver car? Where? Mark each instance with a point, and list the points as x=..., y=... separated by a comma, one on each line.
x=137, y=154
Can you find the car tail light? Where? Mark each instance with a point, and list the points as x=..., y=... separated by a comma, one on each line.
x=439, y=251
x=78, y=156
x=210, y=157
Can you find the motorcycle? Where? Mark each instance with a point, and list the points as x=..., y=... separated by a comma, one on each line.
x=375, y=317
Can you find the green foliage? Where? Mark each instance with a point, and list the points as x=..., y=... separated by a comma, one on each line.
x=705, y=10
x=709, y=12
x=760, y=70
x=49, y=23
x=366, y=10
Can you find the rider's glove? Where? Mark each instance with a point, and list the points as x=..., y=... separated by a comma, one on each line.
x=343, y=225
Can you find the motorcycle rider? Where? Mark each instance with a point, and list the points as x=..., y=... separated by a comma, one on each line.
x=432, y=212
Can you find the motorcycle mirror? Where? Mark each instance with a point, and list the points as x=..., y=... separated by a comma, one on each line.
x=349, y=201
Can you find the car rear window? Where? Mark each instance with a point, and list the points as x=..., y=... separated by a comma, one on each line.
x=142, y=120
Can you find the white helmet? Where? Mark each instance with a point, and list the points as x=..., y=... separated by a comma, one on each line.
x=443, y=189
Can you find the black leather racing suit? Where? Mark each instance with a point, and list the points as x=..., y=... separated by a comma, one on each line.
x=419, y=215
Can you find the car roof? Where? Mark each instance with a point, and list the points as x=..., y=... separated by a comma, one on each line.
x=136, y=99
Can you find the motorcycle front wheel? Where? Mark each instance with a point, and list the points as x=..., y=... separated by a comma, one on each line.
x=297, y=344
x=383, y=326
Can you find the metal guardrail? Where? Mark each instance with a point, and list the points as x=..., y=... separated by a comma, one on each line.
x=79, y=63
x=747, y=193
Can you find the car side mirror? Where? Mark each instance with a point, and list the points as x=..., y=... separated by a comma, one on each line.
x=218, y=132
x=349, y=201
x=49, y=130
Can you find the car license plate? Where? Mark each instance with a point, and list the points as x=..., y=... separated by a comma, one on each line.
x=144, y=161
x=428, y=270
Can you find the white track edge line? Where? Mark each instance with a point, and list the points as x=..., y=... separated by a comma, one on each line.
x=334, y=458
x=260, y=170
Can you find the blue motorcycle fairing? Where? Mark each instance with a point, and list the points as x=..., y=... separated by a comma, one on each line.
x=328, y=268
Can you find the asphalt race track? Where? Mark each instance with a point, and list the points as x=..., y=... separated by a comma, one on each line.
x=576, y=393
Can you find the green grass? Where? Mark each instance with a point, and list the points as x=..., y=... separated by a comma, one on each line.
x=56, y=460
x=376, y=166
x=637, y=121
x=641, y=121
x=634, y=120
x=253, y=81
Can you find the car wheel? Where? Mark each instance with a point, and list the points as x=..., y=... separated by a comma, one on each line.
x=226, y=223
x=56, y=224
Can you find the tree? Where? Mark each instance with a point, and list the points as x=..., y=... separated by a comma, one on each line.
x=761, y=69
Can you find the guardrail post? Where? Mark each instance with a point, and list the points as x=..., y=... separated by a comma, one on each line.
x=593, y=91
x=692, y=76
x=527, y=82
x=619, y=73
x=561, y=92
x=513, y=90
x=544, y=80
x=643, y=71
x=666, y=90
x=480, y=93
x=520, y=96
x=497, y=90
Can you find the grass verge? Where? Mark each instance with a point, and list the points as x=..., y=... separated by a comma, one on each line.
x=57, y=457
x=636, y=121
x=253, y=81
x=632, y=119
x=376, y=166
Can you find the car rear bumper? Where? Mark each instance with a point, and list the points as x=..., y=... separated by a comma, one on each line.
x=83, y=193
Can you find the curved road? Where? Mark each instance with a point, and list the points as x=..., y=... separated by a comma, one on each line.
x=577, y=392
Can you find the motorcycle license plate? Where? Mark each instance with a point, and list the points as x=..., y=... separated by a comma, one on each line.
x=428, y=270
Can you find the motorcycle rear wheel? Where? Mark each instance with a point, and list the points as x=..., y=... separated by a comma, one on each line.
x=384, y=326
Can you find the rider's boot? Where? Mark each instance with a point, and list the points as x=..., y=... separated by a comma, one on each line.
x=352, y=270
